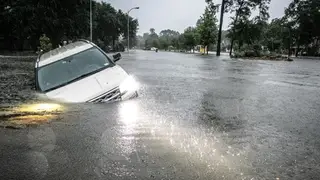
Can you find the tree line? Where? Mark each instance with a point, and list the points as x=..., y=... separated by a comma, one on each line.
x=23, y=22
x=205, y=33
x=298, y=31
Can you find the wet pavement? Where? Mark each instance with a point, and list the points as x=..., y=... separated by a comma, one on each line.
x=196, y=117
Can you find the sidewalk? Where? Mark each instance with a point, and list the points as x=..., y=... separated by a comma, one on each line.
x=20, y=57
x=308, y=57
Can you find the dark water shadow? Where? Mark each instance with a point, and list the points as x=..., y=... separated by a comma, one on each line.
x=210, y=116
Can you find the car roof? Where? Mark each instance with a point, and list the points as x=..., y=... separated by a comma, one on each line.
x=63, y=52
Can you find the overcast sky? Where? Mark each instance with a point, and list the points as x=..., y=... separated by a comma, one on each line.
x=177, y=14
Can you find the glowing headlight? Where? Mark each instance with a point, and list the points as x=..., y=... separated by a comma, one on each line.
x=129, y=85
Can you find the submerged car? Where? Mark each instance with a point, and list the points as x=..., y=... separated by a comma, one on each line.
x=82, y=72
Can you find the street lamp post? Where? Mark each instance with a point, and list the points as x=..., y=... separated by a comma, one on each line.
x=129, y=26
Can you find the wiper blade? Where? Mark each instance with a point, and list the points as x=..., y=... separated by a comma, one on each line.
x=59, y=86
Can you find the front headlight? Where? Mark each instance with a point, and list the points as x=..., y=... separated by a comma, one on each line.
x=129, y=85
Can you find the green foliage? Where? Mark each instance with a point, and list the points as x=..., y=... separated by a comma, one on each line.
x=248, y=31
x=45, y=43
x=273, y=37
x=191, y=37
x=298, y=29
x=239, y=54
x=303, y=19
x=252, y=50
x=27, y=20
x=241, y=26
x=152, y=40
x=206, y=25
x=205, y=33
x=167, y=39
x=164, y=43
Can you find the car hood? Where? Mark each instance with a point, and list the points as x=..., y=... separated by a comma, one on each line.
x=90, y=87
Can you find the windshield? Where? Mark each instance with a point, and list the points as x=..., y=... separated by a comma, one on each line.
x=72, y=68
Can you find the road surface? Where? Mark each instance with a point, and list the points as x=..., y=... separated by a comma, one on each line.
x=196, y=117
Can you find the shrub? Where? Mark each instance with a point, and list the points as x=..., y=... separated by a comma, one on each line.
x=253, y=50
x=238, y=54
x=257, y=49
x=250, y=53
x=45, y=44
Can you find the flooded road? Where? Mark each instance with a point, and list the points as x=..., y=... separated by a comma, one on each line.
x=196, y=117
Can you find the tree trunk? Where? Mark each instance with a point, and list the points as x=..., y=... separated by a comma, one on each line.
x=297, y=47
x=21, y=44
x=113, y=42
x=289, y=46
x=231, y=47
x=317, y=46
x=297, y=50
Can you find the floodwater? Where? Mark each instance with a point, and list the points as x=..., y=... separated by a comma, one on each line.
x=196, y=117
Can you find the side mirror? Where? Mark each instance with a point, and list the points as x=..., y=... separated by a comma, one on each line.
x=116, y=57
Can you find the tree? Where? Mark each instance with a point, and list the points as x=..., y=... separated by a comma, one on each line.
x=123, y=18
x=273, y=37
x=166, y=38
x=304, y=18
x=152, y=39
x=164, y=43
x=152, y=31
x=207, y=27
x=242, y=10
x=27, y=20
x=140, y=41
x=45, y=44
x=107, y=27
x=182, y=43
x=191, y=38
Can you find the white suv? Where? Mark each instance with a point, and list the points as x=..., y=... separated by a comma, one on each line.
x=82, y=72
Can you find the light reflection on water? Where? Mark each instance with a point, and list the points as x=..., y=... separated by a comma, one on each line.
x=194, y=142
x=119, y=142
x=128, y=112
x=30, y=114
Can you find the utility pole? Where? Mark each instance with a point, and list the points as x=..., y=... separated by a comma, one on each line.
x=128, y=32
x=91, y=20
x=220, y=28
